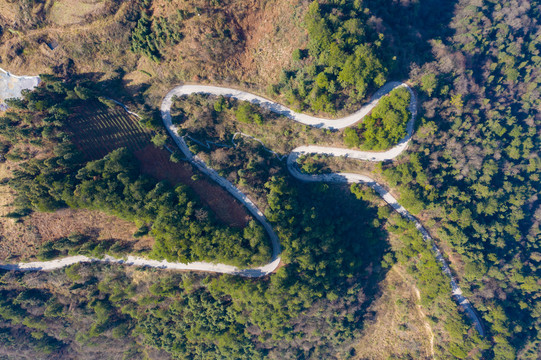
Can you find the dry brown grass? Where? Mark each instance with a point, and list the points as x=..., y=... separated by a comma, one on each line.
x=133, y=81
x=95, y=39
x=21, y=239
x=68, y=221
x=398, y=329
x=69, y=12
x=269, y=30
x=8, y=11
x=13, y=237
x=272, y=33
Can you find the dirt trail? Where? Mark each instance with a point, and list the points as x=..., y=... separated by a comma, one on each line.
x=421, y=313
x=427, y=324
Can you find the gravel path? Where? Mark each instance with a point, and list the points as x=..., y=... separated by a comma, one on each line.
x=293, y=169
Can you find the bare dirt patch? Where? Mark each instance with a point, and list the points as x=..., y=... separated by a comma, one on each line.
x=271, y=34
x=155, y=162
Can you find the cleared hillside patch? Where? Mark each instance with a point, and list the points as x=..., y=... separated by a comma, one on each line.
x=21, y=238
x=98, y=130
x=155, y=162
x=394, y=327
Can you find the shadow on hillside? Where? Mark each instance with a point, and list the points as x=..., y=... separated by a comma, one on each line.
x=408, y=27
x=347, y=245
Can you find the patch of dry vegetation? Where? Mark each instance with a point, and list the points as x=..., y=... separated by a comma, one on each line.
x=247, y=40
x=69, y=12
x=197, y=115
x=8, y=11
x=93, y=37
x=230, y=42
x=395, y=328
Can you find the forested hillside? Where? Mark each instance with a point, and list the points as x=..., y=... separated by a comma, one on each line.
x=471, y=175
x=114, y=184
x=478, y=150
x=311, y=308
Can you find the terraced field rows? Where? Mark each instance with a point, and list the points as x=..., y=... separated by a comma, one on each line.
x=98, y=130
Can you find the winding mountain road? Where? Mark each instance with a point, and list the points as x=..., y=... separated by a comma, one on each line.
x=293, y=169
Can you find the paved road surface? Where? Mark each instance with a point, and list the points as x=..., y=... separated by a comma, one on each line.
x=11, y=86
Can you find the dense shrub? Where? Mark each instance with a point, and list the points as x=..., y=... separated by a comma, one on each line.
x=385, y=126
x=344, y=61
